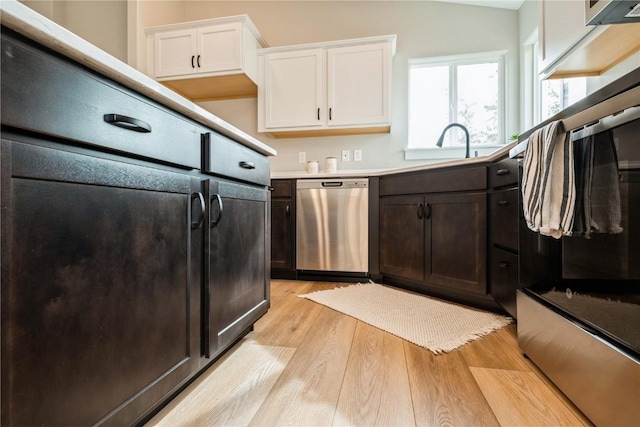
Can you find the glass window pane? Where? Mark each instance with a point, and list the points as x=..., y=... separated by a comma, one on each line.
x=558, y=94
x=550, y=98
x=428, y=104
x=478, y=102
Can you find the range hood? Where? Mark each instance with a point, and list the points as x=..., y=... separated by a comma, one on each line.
x=599, y=12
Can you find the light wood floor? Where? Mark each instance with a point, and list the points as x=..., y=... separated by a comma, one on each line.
x=307, y=365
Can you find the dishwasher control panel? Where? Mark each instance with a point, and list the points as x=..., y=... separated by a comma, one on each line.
x=332, y=183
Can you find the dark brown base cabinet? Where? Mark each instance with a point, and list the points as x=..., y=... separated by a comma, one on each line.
x=435, y=240
x=504, y=233
x=129, y=261
x=283, y=229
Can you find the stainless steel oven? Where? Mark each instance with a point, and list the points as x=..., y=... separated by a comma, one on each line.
x=579, y=308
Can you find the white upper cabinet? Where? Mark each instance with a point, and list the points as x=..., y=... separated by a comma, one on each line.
x=332, y=88
x=563, y=25
x=569, y=48
x=209, y=59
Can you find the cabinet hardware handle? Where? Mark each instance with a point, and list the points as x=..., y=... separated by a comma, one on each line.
x=198, y=61
x=503, y=202
x=197, y=224
x=501, y=172
x=192, y=64
x=128, y=123
x=247, y=165
x=427, y=213
x=215, y=222
x=318, y=113
x=503, y=264
x=287, y=210
x=420, y=211
x=270, y=188
x=330, y=113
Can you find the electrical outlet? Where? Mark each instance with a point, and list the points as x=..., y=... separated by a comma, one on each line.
x=346, y=155
x=357, y=155
x=302, y=157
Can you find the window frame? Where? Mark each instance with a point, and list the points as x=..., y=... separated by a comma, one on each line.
x=452, y=61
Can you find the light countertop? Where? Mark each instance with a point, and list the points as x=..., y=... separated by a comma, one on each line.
x=31, y=24
x=496, y=155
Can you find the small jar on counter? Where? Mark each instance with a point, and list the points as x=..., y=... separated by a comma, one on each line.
x=312, y=166
x=331, y=165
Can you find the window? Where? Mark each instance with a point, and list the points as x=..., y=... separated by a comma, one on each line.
x=558, y=94
x=464, y=89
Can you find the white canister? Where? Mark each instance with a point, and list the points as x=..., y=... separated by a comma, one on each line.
x=331, y=165
x=312, y=166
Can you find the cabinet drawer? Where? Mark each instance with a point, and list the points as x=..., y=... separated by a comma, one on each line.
x=503, y=173
x=282, y=188
x=504, y=279
x=222, y=156
x=48, y=95
x=445, y=180
x=504, y=218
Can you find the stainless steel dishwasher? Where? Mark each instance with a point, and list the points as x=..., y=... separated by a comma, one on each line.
x=332, y=227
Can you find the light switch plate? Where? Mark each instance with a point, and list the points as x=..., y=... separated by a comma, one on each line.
x=346, y=155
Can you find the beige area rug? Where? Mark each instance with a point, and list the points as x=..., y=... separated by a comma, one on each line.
x=430, y=323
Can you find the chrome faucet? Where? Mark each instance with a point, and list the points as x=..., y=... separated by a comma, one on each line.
x=466, y=132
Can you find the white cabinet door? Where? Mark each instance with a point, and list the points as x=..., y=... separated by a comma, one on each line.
x=358, y=84
x=219, y=48
x=175, y=53
x=294, y=89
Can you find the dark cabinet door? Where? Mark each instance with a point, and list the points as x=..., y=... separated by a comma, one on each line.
x=402, y=248
x=456, y=240
x=236, y=273
x=282, y=235
x=100, y=286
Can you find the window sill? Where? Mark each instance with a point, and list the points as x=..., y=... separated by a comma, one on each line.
x=448, y=153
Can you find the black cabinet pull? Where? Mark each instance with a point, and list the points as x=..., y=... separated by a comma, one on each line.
x=420, y=211
x=247, y=165
x=197, y=224
x=128, y=123
x=198, y=61
x=427, y=213
x=503, y=264
x=330, y=113
x=287, y=210
x=503, y=202
x=192, y=64
x=215, y=222
x=318, y=113
x=501, y=172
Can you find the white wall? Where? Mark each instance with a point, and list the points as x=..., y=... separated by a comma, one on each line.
x=424, y=28
x=102, y=23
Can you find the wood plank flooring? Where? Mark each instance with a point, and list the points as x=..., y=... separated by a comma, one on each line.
x=307, y=365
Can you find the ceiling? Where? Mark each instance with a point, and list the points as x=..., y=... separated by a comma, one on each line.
x=503, y=4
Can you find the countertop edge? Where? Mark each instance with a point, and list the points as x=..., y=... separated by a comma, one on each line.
x=496, y=155
x=29, y=23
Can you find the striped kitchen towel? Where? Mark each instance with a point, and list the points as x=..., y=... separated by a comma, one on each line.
x=548, y=181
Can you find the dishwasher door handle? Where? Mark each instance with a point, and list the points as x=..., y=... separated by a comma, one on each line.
x=332, y=184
